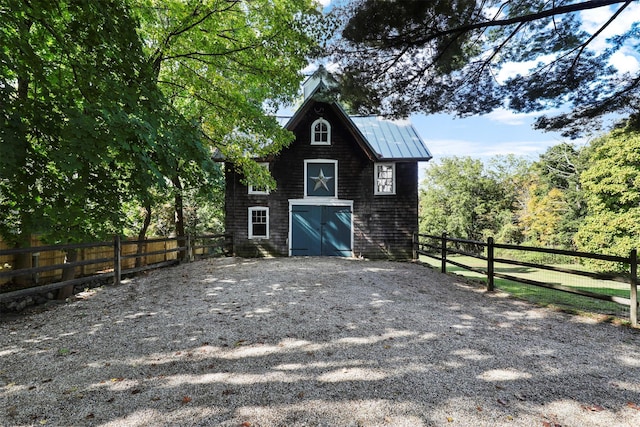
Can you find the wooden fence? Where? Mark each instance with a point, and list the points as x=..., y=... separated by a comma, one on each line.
x=438, y=247
x=43, y=266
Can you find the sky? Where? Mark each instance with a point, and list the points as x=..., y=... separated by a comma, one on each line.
x=503, y=132
x=498, y=133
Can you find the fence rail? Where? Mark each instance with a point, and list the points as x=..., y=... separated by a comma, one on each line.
x=438, y=248
x=42, y=268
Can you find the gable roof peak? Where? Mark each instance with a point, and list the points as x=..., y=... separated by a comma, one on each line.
x=320, y=81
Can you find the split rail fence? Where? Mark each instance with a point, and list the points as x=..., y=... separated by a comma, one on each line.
x=438, y=247
x=48, y=267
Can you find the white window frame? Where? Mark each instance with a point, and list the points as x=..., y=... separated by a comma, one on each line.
x=376, y=177
x=335, y=178
x=253, y=209
x=252, y=190
x=313, y=132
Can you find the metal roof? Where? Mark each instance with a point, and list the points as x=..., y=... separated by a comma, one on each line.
x=388, y=139
x=392, y=139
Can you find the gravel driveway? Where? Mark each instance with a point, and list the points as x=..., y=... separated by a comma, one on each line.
x=312, y=342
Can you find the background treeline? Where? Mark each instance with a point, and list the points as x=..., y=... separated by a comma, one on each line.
x=584, y=198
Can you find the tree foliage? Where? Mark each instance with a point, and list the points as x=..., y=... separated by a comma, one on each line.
x=556, y=205
x=447, y=56
x=612, y=188
x=464, y=198
x=225, y=64
x=111, y=104
x=66, y=134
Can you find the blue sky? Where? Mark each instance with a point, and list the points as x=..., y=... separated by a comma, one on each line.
x=498, y=133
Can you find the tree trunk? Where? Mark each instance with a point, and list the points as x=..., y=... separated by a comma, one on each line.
x=179, y=211
x=143, y=234
x=68, y=273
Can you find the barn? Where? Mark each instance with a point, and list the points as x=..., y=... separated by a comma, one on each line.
x=347, y=186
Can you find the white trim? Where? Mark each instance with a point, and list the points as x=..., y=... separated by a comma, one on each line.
x=335, y=178
x=313, y=133
x=262, y=192
x=320, y=202
x=250, y=225
x=393, y=179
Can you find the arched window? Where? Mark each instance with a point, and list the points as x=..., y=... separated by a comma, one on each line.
x=321, y=132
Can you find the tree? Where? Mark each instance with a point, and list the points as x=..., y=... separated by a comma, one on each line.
x=66, y=133
x=459, y=197
x=612, y=188
x=112, y=101
x=556, y=205
x=512, y=175
x=104, y=100
x=225, y=65
x=543, y=217
x=446, y=56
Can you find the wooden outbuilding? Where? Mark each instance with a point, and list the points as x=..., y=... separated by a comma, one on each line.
x=347, y=186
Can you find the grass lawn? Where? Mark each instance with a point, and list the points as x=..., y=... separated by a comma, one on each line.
x=545, y=296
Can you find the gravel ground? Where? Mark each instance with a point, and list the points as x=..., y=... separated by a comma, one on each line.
x=312, y=342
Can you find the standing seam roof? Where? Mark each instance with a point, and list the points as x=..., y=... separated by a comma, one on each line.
x=389, y=139
x=392, y=139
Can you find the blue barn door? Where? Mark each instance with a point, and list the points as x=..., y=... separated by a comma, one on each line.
x=320, y=230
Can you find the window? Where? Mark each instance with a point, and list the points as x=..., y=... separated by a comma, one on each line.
x=321, y=178
x=258, y=222
x=321, y=132
x=259, y=190
x=385, y=178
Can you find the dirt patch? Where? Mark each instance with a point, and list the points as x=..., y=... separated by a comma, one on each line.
x=312, y=342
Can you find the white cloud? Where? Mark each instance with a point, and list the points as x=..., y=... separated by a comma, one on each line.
x=455, y=147
x=625, y=63
x=625, y=60
x=512, y=69
x=594, y=19
x=508, y=117
x=529, y=149
x=452, y=147
x=482, y=150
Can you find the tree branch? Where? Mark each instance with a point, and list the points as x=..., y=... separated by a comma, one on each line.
x=600, y=30
x=194, y=55
x=560, y=10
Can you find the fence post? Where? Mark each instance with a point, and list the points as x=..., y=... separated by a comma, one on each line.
x=189, y=254
x=490, y=264
x=443, y=266
x=117, y=259
x=35, y=263
x=633, y=306
x=415, y=246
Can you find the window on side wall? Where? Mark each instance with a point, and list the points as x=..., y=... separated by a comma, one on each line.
x=385, y=178
x=321, y=132
x=258, y=222
x=259, y=190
